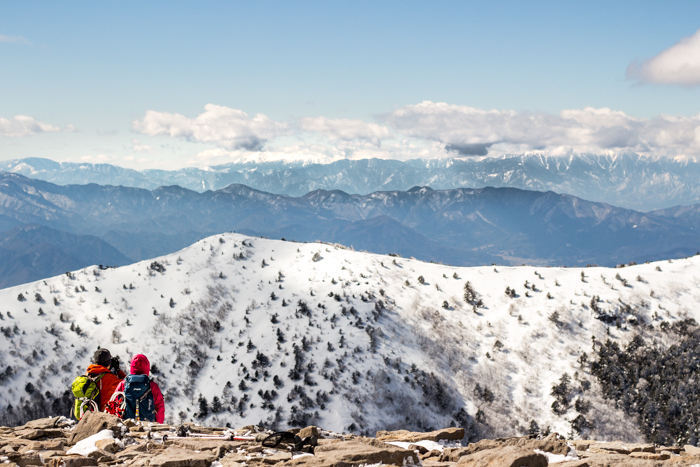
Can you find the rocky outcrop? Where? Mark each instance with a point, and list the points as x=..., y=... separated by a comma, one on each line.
x=102, y=440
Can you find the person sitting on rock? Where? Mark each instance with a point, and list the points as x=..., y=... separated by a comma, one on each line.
x=142, y=397
x=103, y=364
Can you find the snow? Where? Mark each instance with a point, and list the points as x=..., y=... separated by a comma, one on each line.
x=557, y=458
x=87, y=445
x=222, y=302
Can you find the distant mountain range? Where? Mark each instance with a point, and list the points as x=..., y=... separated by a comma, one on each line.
x=458, y=226
x=631, y=181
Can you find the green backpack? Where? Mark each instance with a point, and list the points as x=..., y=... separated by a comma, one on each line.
x=85, y=390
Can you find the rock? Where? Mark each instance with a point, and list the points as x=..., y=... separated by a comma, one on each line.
x=109, y=445
x=551, y=443
x=430, y=454
x=219, y=447
x=610, y=460
x=46, y=456
x=673, y=449
x=582, y=444
x=509, y=456
x=53, y=445
x=47, y=423
x=692, y=450
x=177, y=457
x=650, y=455
x=448, y=434
x=29, y=433
x=72, y=461
x=94, y=422
x=271, y=459
x=29, y=459
x=620, y=448
x=234, y=458
x=355, y=453
x=578, y=463
x=309, y=431
x=417, y=447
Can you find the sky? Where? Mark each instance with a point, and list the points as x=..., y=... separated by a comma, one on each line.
x=174, y=84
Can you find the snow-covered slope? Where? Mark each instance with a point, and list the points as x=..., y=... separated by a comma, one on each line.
x=381, y=341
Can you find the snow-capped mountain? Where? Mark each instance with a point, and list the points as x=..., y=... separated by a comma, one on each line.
x=631, y=181
x=247, y=330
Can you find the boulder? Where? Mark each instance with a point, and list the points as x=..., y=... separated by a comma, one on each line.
x=620, y=448
x=582, y=444
x=178, y=457
x=552, y=443
x=102, y=456
x=610, y=460
x=29, y=459
x=508, y=456
x=109, y=445
x=53, y=445
x=354, y=453
x=650, y=455
x=692, y=450
x=448, y=434
x=309, y=431
x=92, y=423
x=47, y=423
x=271, y=459
x=30, y=433
x=219, y=447
x=72, y=461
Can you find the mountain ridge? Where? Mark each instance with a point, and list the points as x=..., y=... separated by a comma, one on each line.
x=460, y=226
x=633, y=181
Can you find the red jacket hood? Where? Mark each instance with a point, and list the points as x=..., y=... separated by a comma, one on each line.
x=93, y=369
x=140, y=365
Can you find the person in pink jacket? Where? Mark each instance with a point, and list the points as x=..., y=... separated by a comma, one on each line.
x=143, y=398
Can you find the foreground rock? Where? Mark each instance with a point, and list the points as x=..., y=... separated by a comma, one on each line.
x=46, y=442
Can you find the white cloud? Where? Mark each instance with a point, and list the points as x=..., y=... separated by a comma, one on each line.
x=13, y=39
x=22, y=125
x=679, y=64
x=345, y=129
x=471, y=131
x=425, y=130
x=138, y=147
x=223, y=126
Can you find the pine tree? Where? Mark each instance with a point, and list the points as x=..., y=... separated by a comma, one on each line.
x=203, y=407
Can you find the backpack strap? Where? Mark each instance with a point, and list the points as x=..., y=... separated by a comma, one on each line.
x=90, y=378
x=145, y=394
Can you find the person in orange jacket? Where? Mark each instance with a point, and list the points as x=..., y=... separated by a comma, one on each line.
x=103, y=364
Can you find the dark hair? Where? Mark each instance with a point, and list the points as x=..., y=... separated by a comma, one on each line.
x=102, y=357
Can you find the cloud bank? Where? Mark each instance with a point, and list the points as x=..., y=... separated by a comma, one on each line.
x=225, y=127
x=679, y=64
x=22, y=125
x=345, y=129
x=470, y=131
x=426, y=130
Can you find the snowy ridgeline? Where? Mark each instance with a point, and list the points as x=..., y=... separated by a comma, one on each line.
x=246, y=330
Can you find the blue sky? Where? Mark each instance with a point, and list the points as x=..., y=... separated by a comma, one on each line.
x=99, y=67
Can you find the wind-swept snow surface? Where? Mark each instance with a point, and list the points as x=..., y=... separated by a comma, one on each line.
x=244, y=330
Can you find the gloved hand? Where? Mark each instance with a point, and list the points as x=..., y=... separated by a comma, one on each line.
x=114, y=365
